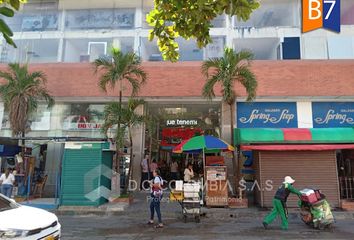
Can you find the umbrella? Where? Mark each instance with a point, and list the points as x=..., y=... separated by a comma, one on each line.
x=203, y=143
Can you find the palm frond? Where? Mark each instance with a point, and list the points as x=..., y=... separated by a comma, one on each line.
x=248, y=80
x=135, y=85
x=22, y=94
x=208, y=88
x=121, y=67
x=210, y=64
x=228, y=69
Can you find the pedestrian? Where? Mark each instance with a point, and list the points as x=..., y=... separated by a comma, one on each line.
x=156, y=196
x=7, y=181
x=174, y=170
x=153, y=166
x=188, y=173
x=279, y=203
x=144, y=172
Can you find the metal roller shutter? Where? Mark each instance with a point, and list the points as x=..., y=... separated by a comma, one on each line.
x=316, y=169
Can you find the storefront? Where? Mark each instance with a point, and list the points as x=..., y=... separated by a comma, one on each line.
x=175, y=123
x=281, y=145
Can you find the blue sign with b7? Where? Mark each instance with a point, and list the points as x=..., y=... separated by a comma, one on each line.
x=333, y=114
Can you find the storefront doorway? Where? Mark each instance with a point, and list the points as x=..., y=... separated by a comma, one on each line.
x=345, y=166
x=174, y=123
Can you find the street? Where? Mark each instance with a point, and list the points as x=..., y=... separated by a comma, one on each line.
x=218, y=223
x=126, y=227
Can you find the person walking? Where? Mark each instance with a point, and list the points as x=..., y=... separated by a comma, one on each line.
x=156, y=196
x=144, y=172
x=279, y=203
x=7, y=181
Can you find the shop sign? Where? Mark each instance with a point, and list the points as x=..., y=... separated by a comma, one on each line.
x=332, y=114
x=77, y=122
x=181, y=122
x=267, y=114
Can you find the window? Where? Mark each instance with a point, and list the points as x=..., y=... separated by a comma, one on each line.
x=291, y=48
x=341, y=47
x=262, y=48
x=87, y=50
x=31, y=50
x=273, y=13
x=99, y=19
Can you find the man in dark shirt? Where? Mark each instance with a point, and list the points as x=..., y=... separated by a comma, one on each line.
x=279, y=203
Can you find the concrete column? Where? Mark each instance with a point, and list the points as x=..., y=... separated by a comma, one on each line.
x=226, y=135
x=138, y=133
x=53, y=160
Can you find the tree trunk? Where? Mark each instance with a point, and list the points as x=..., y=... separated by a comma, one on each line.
x=130, y=163
x=118, y=147
x=234, y=163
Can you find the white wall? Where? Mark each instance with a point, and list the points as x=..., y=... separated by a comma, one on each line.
x=304, y=114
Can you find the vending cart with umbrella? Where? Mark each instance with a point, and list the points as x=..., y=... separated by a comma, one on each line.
x=209, y=144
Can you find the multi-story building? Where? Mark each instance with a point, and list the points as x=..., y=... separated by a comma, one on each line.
x=61, y=37
x=48, y=31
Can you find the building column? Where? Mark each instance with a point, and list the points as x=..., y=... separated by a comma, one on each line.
x=138, y=133
x=226, y=135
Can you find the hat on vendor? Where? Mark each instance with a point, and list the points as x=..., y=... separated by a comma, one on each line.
x=289, y=180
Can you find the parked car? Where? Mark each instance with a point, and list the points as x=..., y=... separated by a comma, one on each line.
x=26, y=223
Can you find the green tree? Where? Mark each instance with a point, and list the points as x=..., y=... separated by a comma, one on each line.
x=226, y=71
x=114, y=114
x=191, y=19
x=21, y=94
x=117, y=69
x=7, y=10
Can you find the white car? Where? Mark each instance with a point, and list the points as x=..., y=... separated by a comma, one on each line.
x=26, y=223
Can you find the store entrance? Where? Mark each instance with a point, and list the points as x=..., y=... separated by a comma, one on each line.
x=345, y=166
x=172, y=124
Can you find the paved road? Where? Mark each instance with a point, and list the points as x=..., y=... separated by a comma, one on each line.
x=133, y=227
x=218, y=223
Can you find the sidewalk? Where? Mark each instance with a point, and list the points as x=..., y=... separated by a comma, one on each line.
x=170, y=209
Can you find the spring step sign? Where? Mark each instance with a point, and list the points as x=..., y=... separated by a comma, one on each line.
x=267, y=115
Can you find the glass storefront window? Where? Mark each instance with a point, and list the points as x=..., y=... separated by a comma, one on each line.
x=82, y=120
x=262, y=48
x=31, y=51
x=205, y=117
x=36, y=17
x=273, y=13
x=39, y=121
x=99, y=19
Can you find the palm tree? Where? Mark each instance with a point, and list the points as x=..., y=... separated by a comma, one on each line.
x=231, y=68
x=21, y=94
x=114, y=114
x=120, y=68
x=132, y=119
